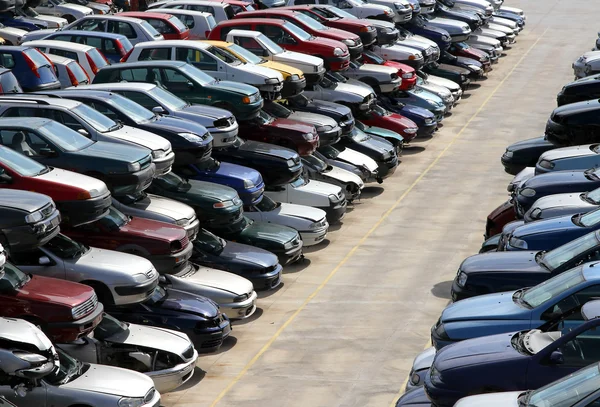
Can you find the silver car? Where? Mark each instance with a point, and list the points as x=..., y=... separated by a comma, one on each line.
x=118, y=278
x=135, y=29
x=569, y=159
x=166, y=356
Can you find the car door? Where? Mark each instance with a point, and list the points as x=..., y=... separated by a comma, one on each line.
x=36, y=395
x=31, y=262
x=203, y=61
x=32, y=145
x=252, y=45
x=141, y=98
x=124, y=28
x=178, y=83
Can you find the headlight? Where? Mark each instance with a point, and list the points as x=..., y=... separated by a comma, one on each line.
x=440, y=331
x=463, y=78
x=158, y=154
x=411, y=130
x=415, y=379
x=294, y=77
x=338, y=52
x=194, y=138
x=508, y=154
x=248, y=184
x=308, y=136
x=241, y=298
x=435, y=377
x=474, y=68
x=388, y=12
x=349, y=43
x=528, y=192
x=140, y=278
x=229, y=204
x=408, y=75
x=34, y=217
x=517, y=243
x=445, y=38
x=546, y=164
x=465, y=28
x=318, y=68
x=588, y=68
x=272, y=81
x=322, y=129
x=133, y=167
x=429, y=120
x=290, y=163
x=131, y=401
x=333, y=198
x=461, y=279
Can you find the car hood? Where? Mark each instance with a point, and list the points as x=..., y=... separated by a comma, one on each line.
x=72, y=179
x=322, y=188
x=27, y=201
x=300, y=211
x=526, y=144
x=111, y=380
x=502, y=399
x=57, y=20
x=559, y=224
x=495, y=306
x=297, y=57
x=397, y=47
x=177, y=125
x=281, y=67
x=446, y=23
x=291, y=125
x=483, y=40
x=166, y=340
x=261, y=71
x=237, y=87
x=569, y=152
x=343, y=175
x=427, y=96
x=227, y=170
x=416, y=111
x=221, y=280
x=345, y=88
x=164, y=206
x=203, y=190
x=576, y=108
x=249, y=254
x=153, y=230
x=501, y=261
x=110, y=260
x=207, y=111
x=447, y=83
x=19, y=330
x=313, y=118
x=122, y=152
x=357, y=158
x=385, y=133
x=141, y=137
x=566, y=201
x=331, y=107
x=412, y=42
x=53, y=290
x=191, y=303
x=567, y=178
x=14, y=31
x=269, y=232
x=268, y=149
x=435, y=89
x=490, y=32
x=77, y=7
x=366, y=69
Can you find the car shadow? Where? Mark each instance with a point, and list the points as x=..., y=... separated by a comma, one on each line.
x=257, y=314
x=465, y=96
x=297, y=266
x=474, y=86
x=228, y=343
x=336, y=226
x=197, y=377
x=266, y=294
x=413, y=150
x=448, y=114
x=442, y=290
x=322, y=245
x=371, y=192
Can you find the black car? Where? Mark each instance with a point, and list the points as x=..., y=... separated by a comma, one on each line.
x=574, y=124
x=454, y=73
x=524, y=153
x=419, y=26
x=580, y=90
x=197, y=317
x=476, y=69
x=27, y=220
x=259, y=266
x=414, y=398
x=277, y=165
x=190, y=141
x=340, y=113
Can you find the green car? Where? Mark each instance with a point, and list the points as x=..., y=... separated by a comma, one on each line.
x=396, y=139
x=220, y=210
x=189, y=83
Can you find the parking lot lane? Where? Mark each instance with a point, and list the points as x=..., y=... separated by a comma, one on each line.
x=348, y=338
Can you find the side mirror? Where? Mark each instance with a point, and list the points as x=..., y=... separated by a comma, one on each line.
x=158, y=110
x=162, y=280
x=44, y=261
x=47, y=152
x=556, y=358
x=190, y=85
x=20, y=390
x=4, y=177
x=83, y=132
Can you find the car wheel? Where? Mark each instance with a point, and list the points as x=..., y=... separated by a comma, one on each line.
x=102, y=291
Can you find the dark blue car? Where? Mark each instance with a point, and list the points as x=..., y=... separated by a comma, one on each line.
x=422, y=117
x=247, y=182
x=8, y=19
x=31, y=68
x=518, y=360
x=438, y=35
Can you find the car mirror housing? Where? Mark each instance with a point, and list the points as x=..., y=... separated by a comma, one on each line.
x=4, y=177
x=556, y=358
x=190, y=85
x=83, y=132
x=44, y=261
x=158, y=110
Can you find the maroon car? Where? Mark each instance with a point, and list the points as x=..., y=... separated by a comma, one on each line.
x=499, y=217
x=323, y=14
x=380, y=117
x=292, y=134
x=165, y=245
x=462, y=49
x=64, y=310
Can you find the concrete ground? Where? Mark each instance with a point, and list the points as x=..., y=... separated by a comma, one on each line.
x=346, y=325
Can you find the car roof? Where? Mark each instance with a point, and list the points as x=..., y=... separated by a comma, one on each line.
x=142, y=14
x=57, y=59
x=183, y=12
x=241, y=21
x=29, y=98
x=85, y=33
x=202, y=2
x=223, y=44
x=247, y=33
x=161, y=63
x=111, y=17
x=285, y=12
x=31, y=122
x=172, y=43
x=118, y=86
x=97, y=94
x=60, y=44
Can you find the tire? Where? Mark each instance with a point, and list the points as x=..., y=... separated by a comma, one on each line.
x=102, y=291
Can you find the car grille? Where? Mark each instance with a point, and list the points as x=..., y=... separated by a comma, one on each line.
x=48, y=210
x=224, y=122
x=86, y=307
x=184, y=242
x=149, y=396
x=145, y=162
x=189, y=353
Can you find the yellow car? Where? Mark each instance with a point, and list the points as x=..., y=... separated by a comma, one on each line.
x=294, y=81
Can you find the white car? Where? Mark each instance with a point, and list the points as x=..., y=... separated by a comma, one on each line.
x=400, y=53
x=355, y=96
x=221, y=11
x=452, y=86
x=319, y=170
x=159, y=208
x=483, y=42
x=402, y=9
x=587, y=64
x=60, y=8
x=259, y=44
x=346, y=156
x=383, y=79
x=317, y=194
x=12, y=35
x=199, y=23
x=441, y=91
x=311, y=223
x=215, y=61
x=41, y=20
x=68, y=71
x=358, y=8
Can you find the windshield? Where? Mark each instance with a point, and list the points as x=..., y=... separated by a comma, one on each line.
x=37, y=57
x=28, y=11
x=172, y=182
x=65, y=248
x=300, y=182
x=328, y=83
x=11, y=278
x=590, y=218
x=21, y=164
x=269, y=44
x=358, y=135
x=277, y=109
x=114, y=219
x=151, y=30
x=247, y=55
x=264, y=117
x=224, y=55
x=553, y=287
x=376, y=59
x=168, y=99
x=208, y=242
x=70, y=369
x=267, y=204
x=297, y=31
x=311, y=23
x=567, y=391
x=300, y=100
x=108, y=327
x=197, y=75
x=98, y=58
x=317, y=163
x=571, y=250
x=158, y=296
x=63, y=137
x=135, y=111
x=177, y=23
x=593, y=196
x=95, y=119
x=341, y=13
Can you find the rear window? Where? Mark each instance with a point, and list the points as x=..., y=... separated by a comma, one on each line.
x=97, y=57
x=127, y=46
x=9, y=83
x=37, y=57
x=211, y=21
x=151, y=30
x=78, y=72
x=178, y=24
x=229, y=12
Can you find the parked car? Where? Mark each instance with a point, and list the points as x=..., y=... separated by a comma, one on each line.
x=29, y=220
x=112, y=46
x=68, y=71
x=134, y=29
x=60, y=8
x=220, y=123
x=32, y=69
x=382, y=118
x=339, y=112
x=452, y=73
x=79, y=198
x=260, y=45
x=424, y=119
x=291, y=37
x=8, y=82
x=190, y=141
x=217, y=62
x=406, y=73
x=199, y=23
x=363, y=165
x=525, y=153
x=529, y=357
x=587, y=64
x=165, y=355
x=579, y=157
x=573, y=124
x=357, y=98
x=124, y=169
x=380, y=133
x=579, y=90
x=244, y=101
x=169, y=26
x=554, y=205
x=357, y=8
x=259, y=266
x=438, y=35
x=91, y=125
x=221, y=11
x=398, y=52
x=11, y=35
x=319, y=170
x=27, y=19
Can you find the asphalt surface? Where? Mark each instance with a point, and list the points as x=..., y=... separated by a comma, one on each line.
x=345, y=327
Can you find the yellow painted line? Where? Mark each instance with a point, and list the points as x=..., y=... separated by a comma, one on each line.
x=360, y=242
x=428, y=344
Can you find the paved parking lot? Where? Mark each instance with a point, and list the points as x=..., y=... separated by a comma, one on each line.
x=344, y=328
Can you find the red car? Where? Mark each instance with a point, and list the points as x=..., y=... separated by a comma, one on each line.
x=79, y=198
x=166, y=245
x=406, y=72
x=64, y=310
x=289, y=36
x=462, y=49
x=311, y=26
x=499, y=217
x=380, y=117
x=292, y=134
x=322, y=14
x=168, y=25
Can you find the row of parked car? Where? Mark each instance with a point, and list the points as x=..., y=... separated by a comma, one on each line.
x=166, y=170
x=524, y=322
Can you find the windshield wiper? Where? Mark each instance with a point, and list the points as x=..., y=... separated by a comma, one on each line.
x=591, y=174
x=539, y=259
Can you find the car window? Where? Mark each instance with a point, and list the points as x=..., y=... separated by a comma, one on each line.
x=104, y=109
x=69, y=38
x=23, y=142
x=300, y=2
x=161, y=26
x=63, y=53
x=134, y=75
x=553, y=287
x=582, y=349
x=27, y=258
x=249, y=44
x=196, y=57
x=78, y=72
x=10, y=84
x=200, y=7
x=121, y=27
x=590, y=219
x=63, y=137
x=140, y=98
x=574, y=249
x=108, y=47
x=229, y=12
x=18, y=162
x=7, y=61
x=174, y=76
x=225, y=30
x=569, y=390
x=187, y=20
x=155, y=54
x=91, y=25
x=91, y=41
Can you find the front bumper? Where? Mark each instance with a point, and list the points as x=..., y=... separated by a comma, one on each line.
x=356, y=51
x=402, y=16
x=240, y=310
x=164, y=165
x=386, y=168
x=133, y=294
x=427, y=130
x=557, y=134
x=209, y=340
x=289, y=256
x=335, y=211
x=338, y=63
x=329, y=137
x=308, y=147
x=291, y=88
x=252, y=196
x=388, y=87
x=460, y=293
x=169, y=379
x=77, y=213
x=132, y=183
x=313, y=237
x=441, y=396
x=368, y=38
x=271, y=92
x=172, y=263
x=267, y=280
x=314, y=77
x=415, y=63
x=63, y=332
x=248, y=111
